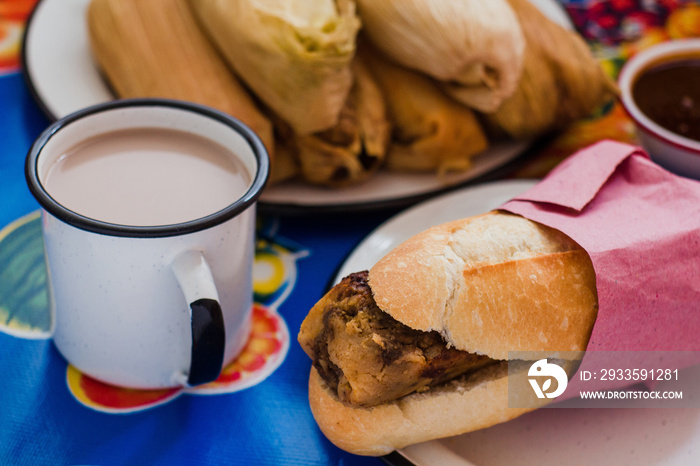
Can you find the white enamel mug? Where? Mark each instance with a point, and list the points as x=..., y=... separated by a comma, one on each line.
x=150, y=306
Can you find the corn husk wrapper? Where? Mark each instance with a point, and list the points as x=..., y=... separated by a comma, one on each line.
x=286, y=166
x=353, y=149
x=155, y=48
x=561, y=80
x=294, y=54
x=430, y=131
x=475, y=47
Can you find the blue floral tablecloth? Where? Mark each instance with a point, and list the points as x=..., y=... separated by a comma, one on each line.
x=257, y=413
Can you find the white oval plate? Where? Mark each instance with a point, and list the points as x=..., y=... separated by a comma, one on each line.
x=547, y=437
x=64, y=78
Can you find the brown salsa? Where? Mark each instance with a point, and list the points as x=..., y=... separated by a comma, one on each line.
x=669, y=94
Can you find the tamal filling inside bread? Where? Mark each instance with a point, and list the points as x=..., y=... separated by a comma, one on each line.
x=367, y=357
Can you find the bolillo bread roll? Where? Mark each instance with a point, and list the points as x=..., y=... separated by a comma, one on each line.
x=486, y=285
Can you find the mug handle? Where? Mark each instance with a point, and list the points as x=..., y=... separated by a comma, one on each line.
x=208, y=333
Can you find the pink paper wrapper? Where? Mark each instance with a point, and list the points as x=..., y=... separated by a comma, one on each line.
x=640, y=225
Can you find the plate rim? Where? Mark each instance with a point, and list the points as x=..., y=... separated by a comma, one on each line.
x=497, y=174
x=26, y=75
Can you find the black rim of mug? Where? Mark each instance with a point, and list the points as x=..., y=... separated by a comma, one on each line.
x=85, y=223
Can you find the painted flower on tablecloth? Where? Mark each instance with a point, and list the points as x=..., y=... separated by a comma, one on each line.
x=24, y=305
x=613, y=22
x=684, y=22
x=266, y=349
x=25, y=313
x=13, y=14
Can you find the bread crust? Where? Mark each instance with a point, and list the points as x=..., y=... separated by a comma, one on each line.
x=491, y=284
x=460, y=406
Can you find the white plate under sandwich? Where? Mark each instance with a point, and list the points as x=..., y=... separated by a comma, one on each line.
x=64, y=78
x=549, y=436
